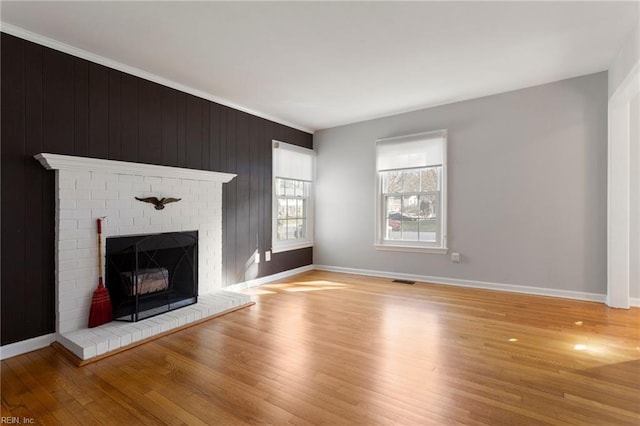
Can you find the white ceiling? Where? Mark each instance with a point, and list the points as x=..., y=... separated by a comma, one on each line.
x=317, y=65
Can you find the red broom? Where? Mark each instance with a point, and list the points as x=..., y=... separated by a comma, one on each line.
x=101, y=311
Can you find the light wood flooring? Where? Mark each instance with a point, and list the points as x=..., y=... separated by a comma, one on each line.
x=327, y=348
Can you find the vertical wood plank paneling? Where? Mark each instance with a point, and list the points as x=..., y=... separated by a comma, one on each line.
x=57, y=103
x=39, y=292
x=193, y=142
x=229, y=203
x=308, y=140
x=169, y=127
x=14, y=288
x=242, y=201
x=98, y=111
x=58, y=127
x=81, y=107
x=150, y=113
x=259, y=165
x=33, y=99
x=298, y=138
x=255, y=178
x=129, y=147
x=294, y=259
x=303, y=139
x=223, y=168
x=292, y=136
x=224, y=129
x=267, y=204
x=282, y=133
x=214, y=137
x=47, y=218
x=181, y=118
x=115, y=115
x=206, y=136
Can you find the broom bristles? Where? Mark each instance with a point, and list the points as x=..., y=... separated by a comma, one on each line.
x=101, y=311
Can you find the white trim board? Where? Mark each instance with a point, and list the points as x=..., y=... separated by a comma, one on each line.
x=24, y=346
x=69, y=162
x=622, y=186
x=539, y=291
x=92, y=57
x=269, y=278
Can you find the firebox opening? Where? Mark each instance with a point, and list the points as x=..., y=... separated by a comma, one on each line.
x=151, y=274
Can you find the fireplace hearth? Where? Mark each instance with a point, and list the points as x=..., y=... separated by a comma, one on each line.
x=151, y=274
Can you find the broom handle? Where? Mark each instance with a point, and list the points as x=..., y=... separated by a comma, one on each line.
x=100, y=283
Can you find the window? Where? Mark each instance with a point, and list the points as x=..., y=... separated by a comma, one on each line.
x=411, y=196
x=292, y=200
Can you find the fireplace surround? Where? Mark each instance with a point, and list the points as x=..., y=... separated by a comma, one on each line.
x=89, y=188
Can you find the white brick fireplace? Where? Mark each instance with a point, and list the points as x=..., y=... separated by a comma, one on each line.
x=87, y=189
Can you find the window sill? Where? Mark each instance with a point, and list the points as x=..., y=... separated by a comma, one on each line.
x=289, y=247
x=414, y=249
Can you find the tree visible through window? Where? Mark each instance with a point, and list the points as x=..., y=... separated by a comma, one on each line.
x=412, y=204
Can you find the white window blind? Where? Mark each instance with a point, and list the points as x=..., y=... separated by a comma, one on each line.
x=411, y=151
x=292, y=162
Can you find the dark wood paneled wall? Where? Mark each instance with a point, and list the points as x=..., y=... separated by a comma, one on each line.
x=55, y=102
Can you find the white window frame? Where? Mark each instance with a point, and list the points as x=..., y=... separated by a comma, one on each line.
x=381, y=243
x=300, y=174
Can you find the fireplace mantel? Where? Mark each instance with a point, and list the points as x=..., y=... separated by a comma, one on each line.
x=69, y=162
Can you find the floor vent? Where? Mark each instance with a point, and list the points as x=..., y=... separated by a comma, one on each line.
x=404, y=281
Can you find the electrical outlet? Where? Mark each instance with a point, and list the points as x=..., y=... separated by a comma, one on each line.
x=455, y=257
x=267, y=255
x=257, y=257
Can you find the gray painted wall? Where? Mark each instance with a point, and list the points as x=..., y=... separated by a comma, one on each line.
x=527, y=188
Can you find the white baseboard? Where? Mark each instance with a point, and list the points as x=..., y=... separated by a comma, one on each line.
x=24, y=346
x=578, y=295
x=268, y=279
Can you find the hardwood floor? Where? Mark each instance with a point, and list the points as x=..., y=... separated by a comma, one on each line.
x=326, y=348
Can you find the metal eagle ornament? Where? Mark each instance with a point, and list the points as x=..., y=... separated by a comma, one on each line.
x=158, y=204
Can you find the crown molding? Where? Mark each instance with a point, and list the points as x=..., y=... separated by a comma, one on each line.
x=92, y=57
x=84, y=164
